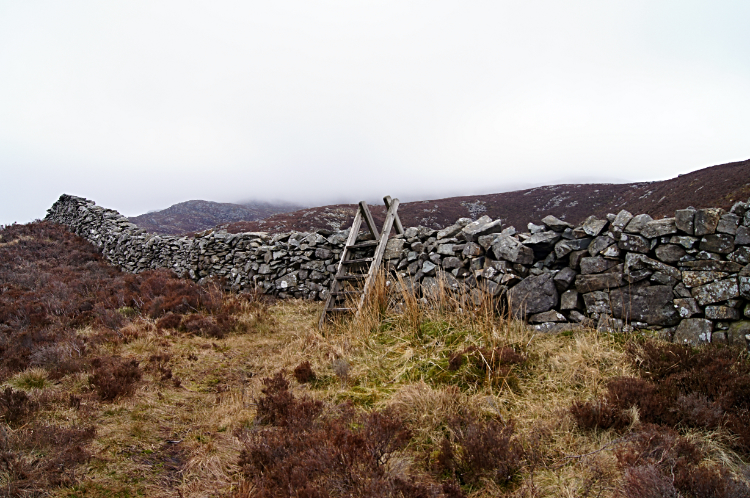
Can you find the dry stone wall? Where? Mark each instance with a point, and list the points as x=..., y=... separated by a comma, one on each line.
x=686, y=276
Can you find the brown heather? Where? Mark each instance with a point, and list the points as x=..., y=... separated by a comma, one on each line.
x=147, y=385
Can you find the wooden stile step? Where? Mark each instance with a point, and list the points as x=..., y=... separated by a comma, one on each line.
x=357, y=261
x=361, y=245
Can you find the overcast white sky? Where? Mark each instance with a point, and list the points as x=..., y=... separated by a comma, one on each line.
x=139, y=105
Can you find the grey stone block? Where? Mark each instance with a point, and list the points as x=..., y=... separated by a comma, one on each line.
x=693, y=331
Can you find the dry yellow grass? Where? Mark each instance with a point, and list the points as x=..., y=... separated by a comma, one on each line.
x=180, y=440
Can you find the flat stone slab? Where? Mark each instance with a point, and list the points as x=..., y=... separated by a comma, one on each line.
x=598, y=281
x=651, y=304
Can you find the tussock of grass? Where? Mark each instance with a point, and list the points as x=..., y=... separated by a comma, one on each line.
x=31, y=378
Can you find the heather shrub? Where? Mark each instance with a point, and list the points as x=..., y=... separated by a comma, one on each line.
x=169, y=321
x=197, y=324
x=705, y=387
x=658, y=462
x=481, y=449
x=68, y=367
x=474, y=366
x=600, y=414
x=279, y=407
x=317, y=454
x=58, y=451
x=55, y=354
x=114, y=377
x=158, y=364
x=304, y=372
x=54, y=282
x=16, y=407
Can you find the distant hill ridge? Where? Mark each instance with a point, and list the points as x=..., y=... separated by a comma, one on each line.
x=197, y=215
x=714, y=186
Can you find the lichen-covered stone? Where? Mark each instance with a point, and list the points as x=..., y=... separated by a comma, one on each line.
x=565, y=247
x=686, y=307
x=570, y=300
x=564, y=278
x=740, y=255
x=698, y=278
x=738, y=333
x=722, y=313
x=393, y=248
x=717, y=291
x=548, y=316
x=445, y=249
x=451, y=262
x=709, y=265
x=693, y=332
x=744, y=286
x=706, y=220
x=637, y=223
x=728, y=223
x=428, y=268
x=593, y=226
x=482, y=226
x=641, y=261
x=621, y=220
x=742, y=237
x=684, y=240
x=719, y=243
x=597, y=302
x=634, y=243
x=556, y=224
x=472, y=250
x=596, y=265
x=287, y=282
x=599, y=244
x=659, y=228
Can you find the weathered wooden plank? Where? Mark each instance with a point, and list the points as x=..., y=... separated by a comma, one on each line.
x=350, y=241
x=368, y=219
x=379, y=252
x=397, y=221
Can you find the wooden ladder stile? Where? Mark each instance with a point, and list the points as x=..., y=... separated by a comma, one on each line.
x=379, y=243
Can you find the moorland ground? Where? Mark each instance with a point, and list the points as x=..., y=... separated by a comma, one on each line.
x=148, y=385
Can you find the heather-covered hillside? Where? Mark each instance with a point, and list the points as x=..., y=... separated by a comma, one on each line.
x=194, y=216
x=715, y=186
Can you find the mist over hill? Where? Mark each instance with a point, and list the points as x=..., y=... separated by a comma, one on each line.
x=718, y=186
